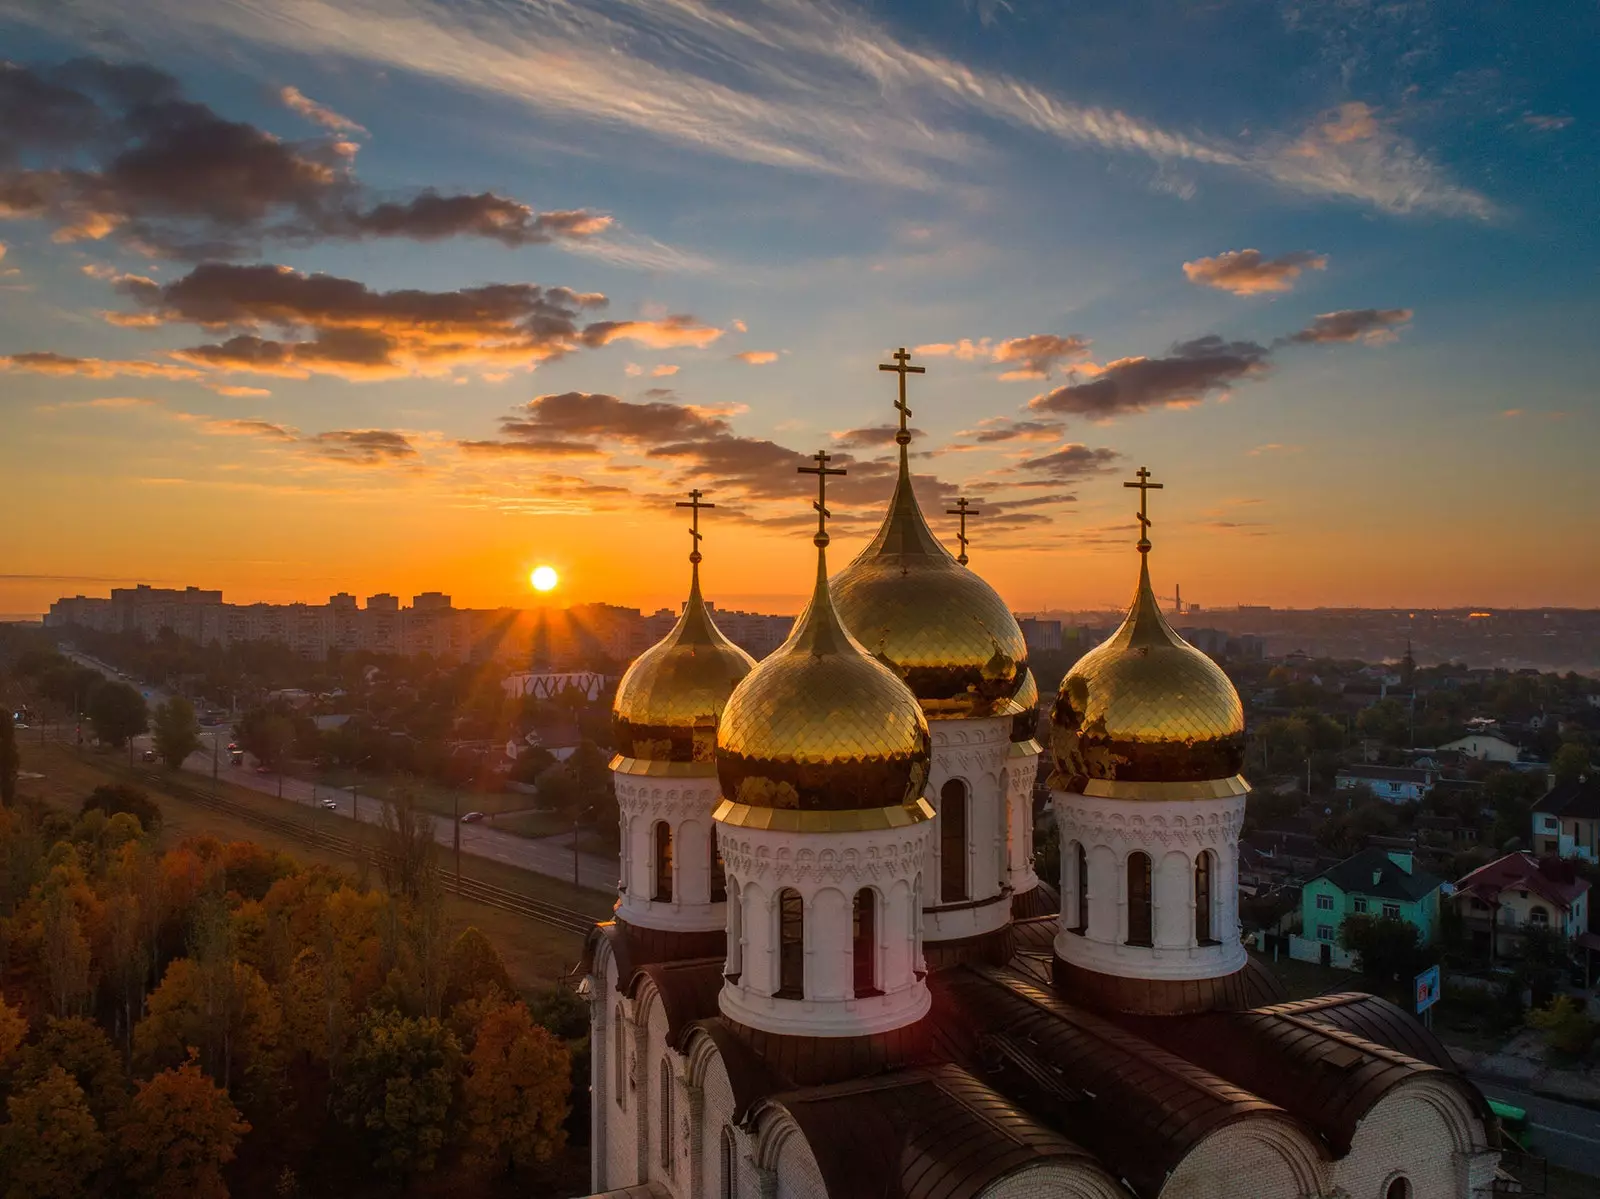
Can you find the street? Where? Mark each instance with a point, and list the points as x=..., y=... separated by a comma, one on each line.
x=1566, y=1134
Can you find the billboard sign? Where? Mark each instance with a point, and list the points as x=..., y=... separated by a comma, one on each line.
x=1427, y=988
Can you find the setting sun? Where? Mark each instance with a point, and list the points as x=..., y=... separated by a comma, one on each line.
x=544, y=578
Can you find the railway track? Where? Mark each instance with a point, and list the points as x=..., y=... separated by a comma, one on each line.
x=504, y=898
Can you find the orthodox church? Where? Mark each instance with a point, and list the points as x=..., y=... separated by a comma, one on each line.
x=833, y=972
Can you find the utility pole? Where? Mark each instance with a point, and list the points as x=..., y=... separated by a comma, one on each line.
x=213, y=762
x=455, y=812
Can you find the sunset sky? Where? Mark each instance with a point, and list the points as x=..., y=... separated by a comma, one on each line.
x=389, y=295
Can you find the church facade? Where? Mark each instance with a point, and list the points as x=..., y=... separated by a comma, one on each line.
x=833, y=971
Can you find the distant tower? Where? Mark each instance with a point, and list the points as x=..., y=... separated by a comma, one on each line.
x=1408, y=667
x=1177, y=599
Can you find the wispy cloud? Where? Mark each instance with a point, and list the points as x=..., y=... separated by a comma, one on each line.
x=1250, y=273
x=318, y=114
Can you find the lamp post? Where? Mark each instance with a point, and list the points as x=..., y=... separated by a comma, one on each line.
x=577, y=812
x=455, y=812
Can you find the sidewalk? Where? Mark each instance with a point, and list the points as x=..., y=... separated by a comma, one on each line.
x=1520, y=1063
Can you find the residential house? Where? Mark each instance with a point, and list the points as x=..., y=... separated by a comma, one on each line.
x=1375, y=882
x=1498, y=900
x=1485, y=747
x=1566, y=821
x=1394, y=784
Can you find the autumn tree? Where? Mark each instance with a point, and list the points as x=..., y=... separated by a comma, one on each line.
x=516, y=1091
x=117, y=712
x=66, y=955
x=112, y=798
x=52, y=1146
x=475, y=970
x=81, y=1048
x=180, y=1130
x=10, y=761
x=408, y=855
x=224, y=1010
x=396, y=1088
x=176, y=731
x=13, y=1029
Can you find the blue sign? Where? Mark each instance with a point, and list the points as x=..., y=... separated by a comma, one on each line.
x=1427, y=989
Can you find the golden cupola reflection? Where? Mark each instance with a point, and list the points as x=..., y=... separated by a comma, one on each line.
x=820, y=735
x=1025, y=724
x=920, y=611
x=1145, y=706
x=669, y=701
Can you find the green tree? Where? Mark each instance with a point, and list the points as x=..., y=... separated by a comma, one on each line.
x=117, y=712
x=1544, y=960
x=409, y=855
x=10, y=761
x=112, y=798
x=560, y=1010
x=396, y=1087
x=268, y=735
x=177, y=731
x=558, y=789
x=1567, y=1028
x=1570, y=763
x=180, y=1130
x=52, y=1146
x=81, y=1048
x=1388, y=950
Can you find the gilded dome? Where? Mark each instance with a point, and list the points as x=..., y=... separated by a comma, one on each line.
x=1025, y=724
x=670, y=699
x=1146, y=707
x=822, y=726
x=947, y=632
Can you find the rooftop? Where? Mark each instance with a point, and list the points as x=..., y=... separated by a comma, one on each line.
x=1373, y=872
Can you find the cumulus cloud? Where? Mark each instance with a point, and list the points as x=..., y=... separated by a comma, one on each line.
x=318, y=114
x=101, y=150
x=293, y=324
x=757, y=357
x=1373, y=326
x=1072, y=461
x=578, y=414
x=46, y=362
x=1034, y=356
x=1249, y=273
x=996, y=429
x=875, y=437
x=355, y=447
x=1190, y=372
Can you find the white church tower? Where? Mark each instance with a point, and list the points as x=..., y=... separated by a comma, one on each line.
x=665, y=725
x=822, y=753
x=919, y=610
x=1147, y=739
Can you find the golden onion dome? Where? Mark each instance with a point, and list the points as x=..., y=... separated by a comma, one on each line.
x=670, y=699
x=1025, y=723
x=820, y=727
x=946, y=631
x=1145, y=706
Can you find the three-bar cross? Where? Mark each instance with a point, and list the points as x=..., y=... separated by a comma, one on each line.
x=1145, y=487
x=694, y=505
x=901, y=367
x=963, y=509
x=822, y=470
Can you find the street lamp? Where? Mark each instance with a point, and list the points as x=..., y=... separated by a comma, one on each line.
x=577, y=812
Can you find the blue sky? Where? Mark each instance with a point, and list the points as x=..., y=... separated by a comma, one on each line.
x=1379, y=214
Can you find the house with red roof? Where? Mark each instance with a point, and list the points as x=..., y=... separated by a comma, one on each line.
x=1500, y=899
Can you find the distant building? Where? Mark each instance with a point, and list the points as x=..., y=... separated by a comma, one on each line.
x=1394, y=784
x=1566, y=821
x=1375, y=882
x=1500, y=899
x=1040, y=635
x=1486, y=747
x=550, y=685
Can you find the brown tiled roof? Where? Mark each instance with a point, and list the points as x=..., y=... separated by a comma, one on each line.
x=937, y=1133
x=1555, y=880
x=1250, y=986
x=1140, y=1108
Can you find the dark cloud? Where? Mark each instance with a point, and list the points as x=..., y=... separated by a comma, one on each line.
x=1249, y=273
x=1073, y=461
x=533, y=448
x=1002, y=428
x=870, y=438
x=584, y=414
x=104, y=150
x=1193, y=370
x=48, y=362
x=1370, y=325
x=363, y=447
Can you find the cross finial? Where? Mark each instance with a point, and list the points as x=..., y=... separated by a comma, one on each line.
x=902, y=367
x=963, y=509
x=822, y=470
x=1145, y=487
x=694, y=505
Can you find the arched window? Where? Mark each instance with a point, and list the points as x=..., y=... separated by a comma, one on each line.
x=953, y=842
x=1400, y=1188
x=735, y=925
x=864, y=941
x=1538, y=915
x=1204, y=931
x=663, y=871
x=619, y=1053
x=791, y=945
x=1080, y=863
x=730, y=1165
x=719, y=873
x=666, y=1117
x=1139, y=915
x=1006, y=830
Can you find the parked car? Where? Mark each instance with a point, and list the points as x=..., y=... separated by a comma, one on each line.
x=331, y=804
x=149, y=755
x=472, y=818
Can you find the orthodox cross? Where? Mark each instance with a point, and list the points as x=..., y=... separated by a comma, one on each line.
x=1145, y=487
x=694, y=505
x=963, y=509
x=902, y=368
x=822, y=470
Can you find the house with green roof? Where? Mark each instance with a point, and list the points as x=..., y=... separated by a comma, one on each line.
x=1374, y=882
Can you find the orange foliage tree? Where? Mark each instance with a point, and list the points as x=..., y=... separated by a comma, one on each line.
x=52, y=1147
x=180, y=1130
x=516, y=1091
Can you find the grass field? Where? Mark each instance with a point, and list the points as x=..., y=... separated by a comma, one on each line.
x=534, y=953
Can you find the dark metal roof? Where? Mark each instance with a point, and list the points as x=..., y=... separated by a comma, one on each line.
x=1248, y=987
x=688, y=992
x=1043, y=900
x=1579, y=799
x=1377, y=1020
x=1393, y=774
x=634, y=947
x=813, y=1061
x=994, y=947
x=1138, y=1107
x=1355, y=876
x=937, y=1133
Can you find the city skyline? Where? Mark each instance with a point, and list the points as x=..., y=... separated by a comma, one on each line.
x=402, y=297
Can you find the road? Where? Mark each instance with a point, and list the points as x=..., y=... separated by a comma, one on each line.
x=550, y=856
x=1568, y=1135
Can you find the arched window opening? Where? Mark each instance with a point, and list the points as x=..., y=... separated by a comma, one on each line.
x=791, y=945
x=729, y=1188
x=1139, y=914
x=666, y=1117
x=619, y=1054
x=953, y=842
x=1204, y=929
x=735, y=927
x=1080, y=863
x=1400, y=1188
x=1538, y=915
x=1006, y=831
x=719, y=873
x=864, y=941
x=663, y=871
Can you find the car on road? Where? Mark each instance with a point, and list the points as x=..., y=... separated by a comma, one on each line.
x=472, y=818
x=331, y=804
x=262, y=770
x=149, y=755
